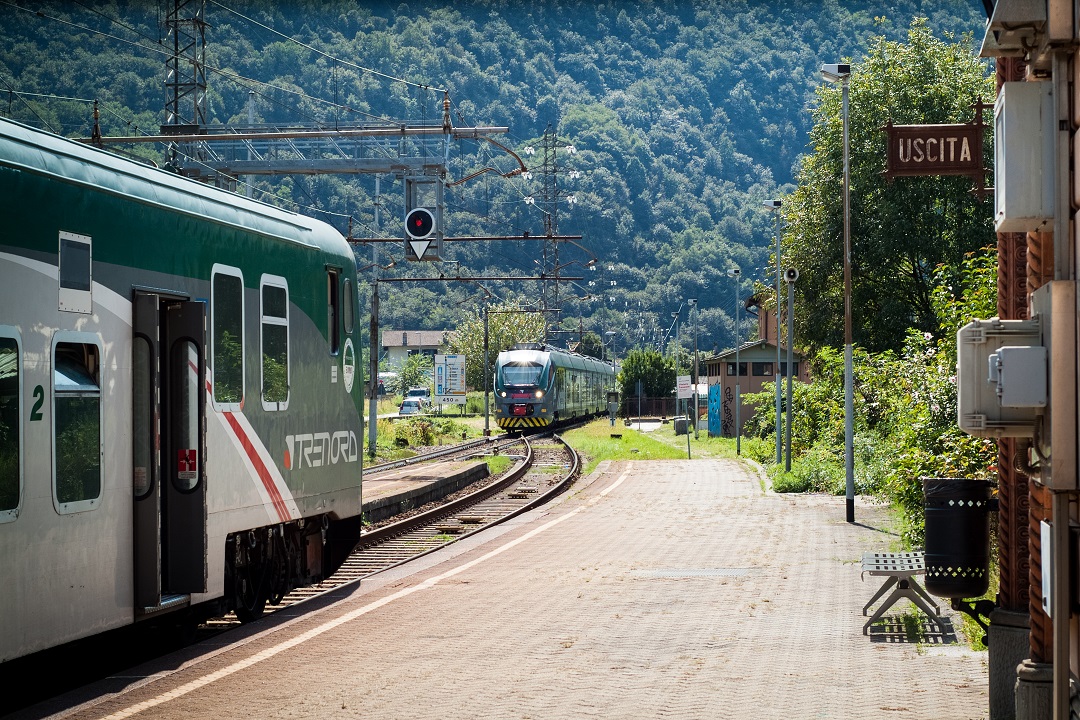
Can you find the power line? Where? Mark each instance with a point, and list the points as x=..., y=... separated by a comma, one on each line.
x=327, y=55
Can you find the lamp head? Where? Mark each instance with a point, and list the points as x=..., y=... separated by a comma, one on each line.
x=836, y=72
x=733, y=272
x=772, y=204
x=691, y=302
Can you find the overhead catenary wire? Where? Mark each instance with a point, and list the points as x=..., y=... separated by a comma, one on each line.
x=327, y=55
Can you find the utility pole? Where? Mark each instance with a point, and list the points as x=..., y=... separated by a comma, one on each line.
x=373, y=359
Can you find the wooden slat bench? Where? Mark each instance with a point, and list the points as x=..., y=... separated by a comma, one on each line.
x=900, y=570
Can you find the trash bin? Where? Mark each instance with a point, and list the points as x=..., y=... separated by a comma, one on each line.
x=680, y=426
x=957, y=512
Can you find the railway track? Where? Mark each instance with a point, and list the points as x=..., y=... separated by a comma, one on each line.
x=547, y=466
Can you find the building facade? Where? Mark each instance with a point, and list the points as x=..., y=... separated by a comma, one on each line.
x=1034, y=633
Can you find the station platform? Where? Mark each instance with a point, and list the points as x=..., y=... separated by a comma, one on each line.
x=396, y=491
x=652, y=589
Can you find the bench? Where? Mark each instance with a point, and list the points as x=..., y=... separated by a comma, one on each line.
x=900, y=570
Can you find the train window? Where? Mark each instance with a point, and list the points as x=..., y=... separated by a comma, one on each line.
x=227, y=352
x=348, y=300
x=76, y=425
x=521, y=372
x=75, y=273
x=275, y=342
x=142, y=407
x=333, y=300
x=10, y=431
x=185, y=414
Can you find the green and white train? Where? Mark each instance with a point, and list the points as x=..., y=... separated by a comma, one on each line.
x=537, y=386
x=180, y=401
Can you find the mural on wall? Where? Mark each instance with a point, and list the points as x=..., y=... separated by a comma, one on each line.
x=714, y=411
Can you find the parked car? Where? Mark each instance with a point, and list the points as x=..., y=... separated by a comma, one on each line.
x=411, y=406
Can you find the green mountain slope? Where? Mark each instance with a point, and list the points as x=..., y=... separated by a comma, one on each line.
x=684, y=116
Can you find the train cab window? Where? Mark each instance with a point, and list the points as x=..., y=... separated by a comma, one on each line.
x=76, y=425
x=10, y=430
x=275, y=342
x=521, y=373
x=348, y=303
x=75, y=273
x=227, y=336
x=333, y=306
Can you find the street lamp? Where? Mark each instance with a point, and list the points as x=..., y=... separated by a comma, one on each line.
x=790, y=275
x=734, y=272
x=692, y=302
x=675, y=352
x=841, y=73
x=774, y=205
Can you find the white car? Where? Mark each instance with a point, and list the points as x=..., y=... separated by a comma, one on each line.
x=411, y=406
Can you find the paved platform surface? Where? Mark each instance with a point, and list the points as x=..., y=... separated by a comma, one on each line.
x=671, y=589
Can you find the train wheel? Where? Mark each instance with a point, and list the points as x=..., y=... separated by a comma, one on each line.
x=251, y=592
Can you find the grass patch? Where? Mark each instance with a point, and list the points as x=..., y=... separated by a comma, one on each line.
x=595, y=443
x=498, y=464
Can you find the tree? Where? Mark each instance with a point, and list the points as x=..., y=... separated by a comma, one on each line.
x=508, y=324
x=900, y=230
x=655, y=371
x=591, y=345
x=416, y=371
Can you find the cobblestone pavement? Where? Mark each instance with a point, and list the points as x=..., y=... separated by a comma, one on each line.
x=669, y=589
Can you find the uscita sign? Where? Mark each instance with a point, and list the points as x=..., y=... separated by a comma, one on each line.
x=934, y=150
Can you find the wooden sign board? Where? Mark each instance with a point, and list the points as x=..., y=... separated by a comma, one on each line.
x=934, y=150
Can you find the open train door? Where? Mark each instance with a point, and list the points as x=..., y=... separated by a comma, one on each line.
x=168, y=424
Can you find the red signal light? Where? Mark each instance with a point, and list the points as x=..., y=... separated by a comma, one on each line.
x=419, y=223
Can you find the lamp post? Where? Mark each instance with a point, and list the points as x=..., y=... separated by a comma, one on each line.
x=841, y=73
x=790, y=275
x=774, y=205
x=675, y=352
x=734, y=272
x=693, y=306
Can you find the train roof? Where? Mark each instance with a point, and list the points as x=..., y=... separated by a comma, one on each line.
x=537, y=352
x=31, y=150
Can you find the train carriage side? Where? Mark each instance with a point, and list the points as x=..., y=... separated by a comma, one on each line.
x=180, y=409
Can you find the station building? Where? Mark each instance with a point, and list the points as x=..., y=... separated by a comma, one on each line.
x=757, y=365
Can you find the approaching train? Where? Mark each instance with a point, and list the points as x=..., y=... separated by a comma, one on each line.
x=180, y=407
x=537, y=386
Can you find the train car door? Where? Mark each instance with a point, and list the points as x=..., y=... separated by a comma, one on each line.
x=168, y=423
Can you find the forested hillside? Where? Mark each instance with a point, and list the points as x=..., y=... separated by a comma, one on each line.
x=685, y=116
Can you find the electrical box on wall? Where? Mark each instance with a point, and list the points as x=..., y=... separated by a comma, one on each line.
x=1024, y=140
x=1001, y=383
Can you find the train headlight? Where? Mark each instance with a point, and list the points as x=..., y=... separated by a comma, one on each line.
x=502, y=393
x=539, y=393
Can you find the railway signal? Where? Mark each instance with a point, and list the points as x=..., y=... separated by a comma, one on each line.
x=420, y=223
x=423, y=217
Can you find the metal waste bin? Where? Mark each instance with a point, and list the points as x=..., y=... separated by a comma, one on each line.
x=957, y=512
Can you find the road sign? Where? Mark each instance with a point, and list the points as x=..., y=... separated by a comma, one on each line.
x=685, y=389
x=450, y=379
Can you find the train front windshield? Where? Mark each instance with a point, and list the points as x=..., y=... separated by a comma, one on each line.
x=521, y=373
